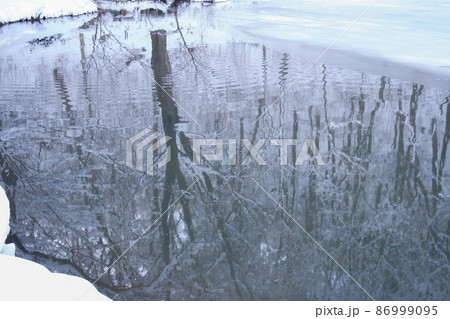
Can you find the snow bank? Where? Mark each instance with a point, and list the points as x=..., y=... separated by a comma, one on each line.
x=22, y=279
x=18, y=10
x=4, y=225
x=132, y=5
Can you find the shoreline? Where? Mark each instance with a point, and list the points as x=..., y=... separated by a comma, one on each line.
x=24, y=279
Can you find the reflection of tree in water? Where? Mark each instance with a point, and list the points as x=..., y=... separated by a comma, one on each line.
x=169, y=114
x=378, y=206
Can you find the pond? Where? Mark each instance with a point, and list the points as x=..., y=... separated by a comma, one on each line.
x=362, y=215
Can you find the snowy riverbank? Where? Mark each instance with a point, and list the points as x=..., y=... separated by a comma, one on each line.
x=4, y=225
x=22, y=279
x=19, y=10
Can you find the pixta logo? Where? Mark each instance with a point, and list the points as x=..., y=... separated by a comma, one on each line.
x=144, y=148
x=309, y=151
x=143, y=145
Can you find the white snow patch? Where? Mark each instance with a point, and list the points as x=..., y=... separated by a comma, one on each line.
x=4, y=225
x=22, y=279
x=132, y=5
x=18, y=10
x=25, y=280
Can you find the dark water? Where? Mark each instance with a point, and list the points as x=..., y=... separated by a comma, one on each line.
x=70, y=101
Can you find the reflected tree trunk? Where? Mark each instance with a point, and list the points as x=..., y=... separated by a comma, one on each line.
x=169, y=112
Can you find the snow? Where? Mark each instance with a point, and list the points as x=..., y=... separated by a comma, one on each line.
x=131, y=5
x=18, y=10
x=4, y=225
x=13, y=36
x=22, y=279
x=410, y=32
x=141, y=4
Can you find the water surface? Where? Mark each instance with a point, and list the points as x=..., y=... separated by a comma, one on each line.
x=74, y=90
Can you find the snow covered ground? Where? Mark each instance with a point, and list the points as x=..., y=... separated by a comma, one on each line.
x=413, y=32
x=131, y=5
x=406, y=32
x=19, y=10
x=21, y=279
x=4, y=225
